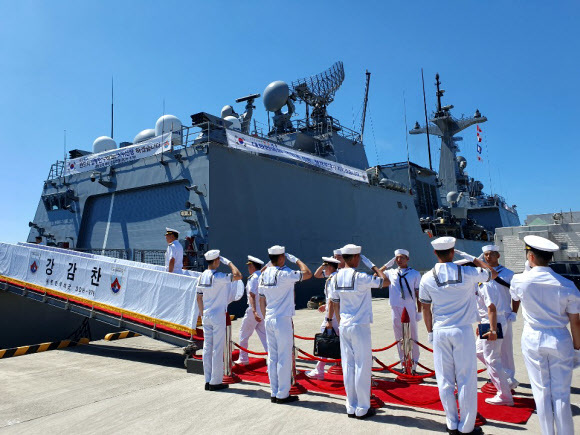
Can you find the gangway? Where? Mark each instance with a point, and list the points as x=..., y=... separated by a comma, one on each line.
x=139, y=297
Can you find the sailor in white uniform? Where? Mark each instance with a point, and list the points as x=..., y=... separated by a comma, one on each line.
x=351, y=297
x=212, y=299
x=328, y=269
x=549, y=301
x=252, y=321
x=502, y=283
x=447, y=293
x=492, y=305
x=338, y=256
x=403, y=294
x=276, y=289
x=174, y=253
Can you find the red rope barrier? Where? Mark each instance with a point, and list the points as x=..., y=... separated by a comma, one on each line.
x=385, y=348
x=316, y=358
x=303, y=338
x=422, y=345
x=384, y=367
x=249, y=351
x=400, y=374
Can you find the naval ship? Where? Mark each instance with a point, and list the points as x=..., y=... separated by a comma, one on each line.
x=224, y=182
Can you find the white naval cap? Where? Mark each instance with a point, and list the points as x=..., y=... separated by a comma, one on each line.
x=443, y=243
x=540, y=243
x=276, y=250
x=402, y=252
x=350, y=249
x=252, y=259
x=171, y=230
x=336, y=252
x=212, y=255
x=330, y=260
x=490, y=248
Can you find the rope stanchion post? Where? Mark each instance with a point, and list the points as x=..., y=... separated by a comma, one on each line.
x=407, y=345
x=229, y=376
x=296, y=387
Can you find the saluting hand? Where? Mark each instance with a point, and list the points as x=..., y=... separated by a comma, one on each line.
x=291, y=258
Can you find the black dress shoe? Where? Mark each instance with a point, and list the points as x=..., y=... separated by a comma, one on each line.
x=207, y=386
x=369, y=413
x=353, y=415
x=476, y=431
x=218, y=387
x=288, y=399
x=273, y=399
x=452, y=431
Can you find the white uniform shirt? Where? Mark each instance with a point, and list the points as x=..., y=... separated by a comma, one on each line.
x=497, y=294
x=277, y=286
x=174, y=250
x=328, y=291
x=546, y=297
x=252, y=288
x=399, y=279
x=215, y=287
x=353, y=290
x=450, y=289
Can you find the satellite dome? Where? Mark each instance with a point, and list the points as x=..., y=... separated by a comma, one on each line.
x=227, y=111
x=452, y=197
x=168, y=123
x=103, y=143
x=275, y=96
x=236, y=124
x=144, y=135
x=461, y=161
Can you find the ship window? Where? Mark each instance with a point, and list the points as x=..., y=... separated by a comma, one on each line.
x=57, y=201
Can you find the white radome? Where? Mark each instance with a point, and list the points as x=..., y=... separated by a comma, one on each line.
x=236, y=124
x=144, y=135
x=168, y=123
x=103, y=143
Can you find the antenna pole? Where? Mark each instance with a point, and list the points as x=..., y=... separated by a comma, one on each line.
x=64, y=146
x=364, y=114
x=407, y=141
x=112, y=108
x=426, y=119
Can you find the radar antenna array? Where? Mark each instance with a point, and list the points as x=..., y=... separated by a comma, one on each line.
x=318, y=91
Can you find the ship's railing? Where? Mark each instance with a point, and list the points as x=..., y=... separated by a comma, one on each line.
x=123, y=254
x=151, y=256
x=56, y=170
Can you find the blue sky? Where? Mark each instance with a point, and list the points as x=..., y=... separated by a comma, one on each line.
x=516, y=61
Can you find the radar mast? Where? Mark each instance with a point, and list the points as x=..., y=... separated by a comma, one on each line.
x=445, y=126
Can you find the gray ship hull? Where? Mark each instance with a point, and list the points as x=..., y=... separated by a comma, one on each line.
x=247, y=203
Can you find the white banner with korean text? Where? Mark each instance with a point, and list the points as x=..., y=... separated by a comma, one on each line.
x=119, y=286
x=91, y=162
x=245, y=142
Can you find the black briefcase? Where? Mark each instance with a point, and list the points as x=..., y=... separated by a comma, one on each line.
x=327, y=344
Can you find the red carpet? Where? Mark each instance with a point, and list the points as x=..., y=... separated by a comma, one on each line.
x=398, y=393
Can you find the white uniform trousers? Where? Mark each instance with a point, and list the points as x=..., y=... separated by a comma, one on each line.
x=321, y=364
x=507, y=351
x=214, y=334
x=357, y=361
x=455, y=360
x=280, y=336
x=549, y=355
x=396, y=313
x=247, y=328
x=489, y=353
